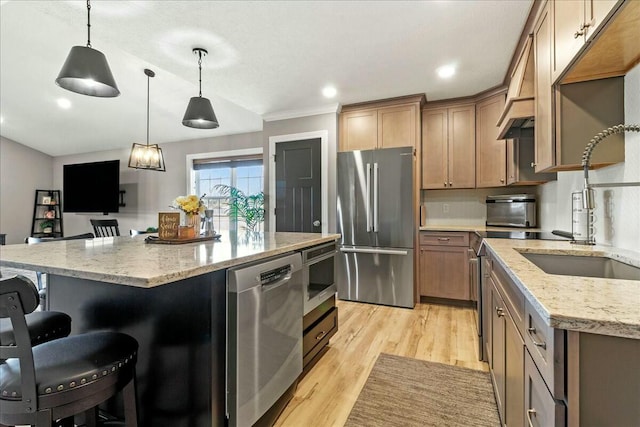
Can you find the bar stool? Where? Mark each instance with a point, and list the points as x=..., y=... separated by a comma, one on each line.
x=64, y=377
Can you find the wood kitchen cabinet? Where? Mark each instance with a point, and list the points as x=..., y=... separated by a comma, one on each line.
x=491, y=152
x=520, y=162
x=507, y=355
x=543, y=125
x=381, y=124
x=552, y=377
x=444, y=265
x=448, y=147
x=574, y=23
x=568, y=115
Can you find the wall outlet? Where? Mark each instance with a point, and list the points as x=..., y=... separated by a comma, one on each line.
x=445, y=208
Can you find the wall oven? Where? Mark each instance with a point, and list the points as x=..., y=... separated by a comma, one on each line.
x=318, y=274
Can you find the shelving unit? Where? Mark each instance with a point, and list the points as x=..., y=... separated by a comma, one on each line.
x=47, y=210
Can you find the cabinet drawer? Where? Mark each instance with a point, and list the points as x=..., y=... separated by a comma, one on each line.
x=322, y=309
x=319, y=333
x=444, y=238
x=546, y=346
x=541, y=409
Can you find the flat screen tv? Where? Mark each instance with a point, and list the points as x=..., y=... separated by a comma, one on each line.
x=91, y=187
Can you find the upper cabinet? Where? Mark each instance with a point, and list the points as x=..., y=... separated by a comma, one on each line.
x=448, y=147
x=381, y=124
x=575, y=22
x=571, y=107
x=490, y=151
x=543, y=125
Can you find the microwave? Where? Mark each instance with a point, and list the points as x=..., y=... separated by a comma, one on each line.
x=318, y=275
x=513, y=210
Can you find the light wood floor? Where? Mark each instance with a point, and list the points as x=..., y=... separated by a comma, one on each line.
x=429, y=332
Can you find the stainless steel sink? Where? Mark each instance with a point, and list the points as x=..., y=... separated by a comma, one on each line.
x=586, y=266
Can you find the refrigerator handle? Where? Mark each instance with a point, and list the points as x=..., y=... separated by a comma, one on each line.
x=368, y=202
x=376, y=189
x=374, y=251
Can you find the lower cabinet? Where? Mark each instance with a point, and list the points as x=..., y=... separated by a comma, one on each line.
x=507, y=362
x=318, y=326
x=541, y=408
x=548, y=377
x=444, y=265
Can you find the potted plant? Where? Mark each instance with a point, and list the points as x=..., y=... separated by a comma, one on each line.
x=248, y=208
x=47, y=226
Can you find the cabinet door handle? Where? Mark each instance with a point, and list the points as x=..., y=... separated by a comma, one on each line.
x=445, y=183
x=538, y=344
x=533, y=164
x=502, y=180
x=530, y=412
x=500, y=312
x=450, y=183
x=579, y=33
x=321, y=335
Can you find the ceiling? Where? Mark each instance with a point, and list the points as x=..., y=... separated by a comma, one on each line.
x=267, y=59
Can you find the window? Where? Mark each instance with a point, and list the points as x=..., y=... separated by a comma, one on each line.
x=246, y=173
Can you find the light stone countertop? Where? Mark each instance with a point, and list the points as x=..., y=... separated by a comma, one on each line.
x=128, y=260
x=473, y=228
x=585, y=304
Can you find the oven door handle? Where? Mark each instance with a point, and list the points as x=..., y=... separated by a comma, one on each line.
x=374, y=251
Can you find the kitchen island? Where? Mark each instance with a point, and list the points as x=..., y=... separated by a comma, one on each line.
x=171, y=298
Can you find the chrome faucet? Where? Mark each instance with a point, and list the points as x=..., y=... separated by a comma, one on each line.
x=588, y=195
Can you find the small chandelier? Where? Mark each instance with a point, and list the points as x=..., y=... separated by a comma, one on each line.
x=199, y=112
x=148, y=156
x=86, y=70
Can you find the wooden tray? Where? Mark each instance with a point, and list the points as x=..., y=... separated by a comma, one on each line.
x=159, y=241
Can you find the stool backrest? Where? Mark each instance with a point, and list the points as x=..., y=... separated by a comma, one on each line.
x=19, y=296
x=44, y=239
x=105, y=227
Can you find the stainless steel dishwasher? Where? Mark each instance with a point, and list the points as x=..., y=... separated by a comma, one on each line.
x=264, y=336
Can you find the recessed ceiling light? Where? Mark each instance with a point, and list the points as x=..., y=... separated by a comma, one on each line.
x=446, y=71
x=64, y=103
x=329, y=91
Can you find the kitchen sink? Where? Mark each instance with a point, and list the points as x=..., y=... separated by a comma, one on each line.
x=587, y=266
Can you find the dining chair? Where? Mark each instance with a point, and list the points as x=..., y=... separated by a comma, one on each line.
x=63, y=377
x=105, y=227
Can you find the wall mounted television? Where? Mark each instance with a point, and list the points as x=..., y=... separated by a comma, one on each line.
x=91, y=187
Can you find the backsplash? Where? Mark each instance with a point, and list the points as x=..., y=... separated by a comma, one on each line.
x=463, y=207
x=617, y=208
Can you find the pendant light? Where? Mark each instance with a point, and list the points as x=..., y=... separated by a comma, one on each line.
x=86, y=70
x=199, y=112
x=147, y=157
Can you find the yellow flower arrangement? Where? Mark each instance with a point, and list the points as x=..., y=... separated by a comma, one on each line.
x=190, y=204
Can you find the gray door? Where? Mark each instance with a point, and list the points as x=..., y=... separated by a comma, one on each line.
x=298, y=186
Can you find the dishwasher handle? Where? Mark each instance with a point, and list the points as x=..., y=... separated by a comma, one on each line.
x=275, y=278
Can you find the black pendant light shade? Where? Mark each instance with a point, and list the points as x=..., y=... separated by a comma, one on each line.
x=149, y=156
x=199, y=112
x=86, y=70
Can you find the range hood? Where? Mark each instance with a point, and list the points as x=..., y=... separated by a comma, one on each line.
x=519, y=110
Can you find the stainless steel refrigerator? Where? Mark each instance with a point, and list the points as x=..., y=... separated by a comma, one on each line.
x=375, y=220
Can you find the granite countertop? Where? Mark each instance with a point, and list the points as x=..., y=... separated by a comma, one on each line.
x=473, y=228
x=130, y=261
x=584, y=304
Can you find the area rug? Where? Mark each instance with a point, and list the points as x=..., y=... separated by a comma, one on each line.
x=409, y=392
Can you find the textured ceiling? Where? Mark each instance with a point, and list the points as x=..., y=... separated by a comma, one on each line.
x=266, y=58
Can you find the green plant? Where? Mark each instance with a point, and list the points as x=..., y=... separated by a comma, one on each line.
x=46, y=224
x=248, y=208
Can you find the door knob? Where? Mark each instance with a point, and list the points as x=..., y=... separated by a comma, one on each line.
x=316, y=223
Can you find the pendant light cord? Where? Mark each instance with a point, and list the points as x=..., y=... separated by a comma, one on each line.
x=88, y=24
x=148, y=78
x=200, y=72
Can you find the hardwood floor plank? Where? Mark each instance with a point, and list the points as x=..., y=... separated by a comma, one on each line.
x=439, y=333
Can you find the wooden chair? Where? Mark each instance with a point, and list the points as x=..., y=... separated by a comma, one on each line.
x=64, y=377
x=105, y=227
